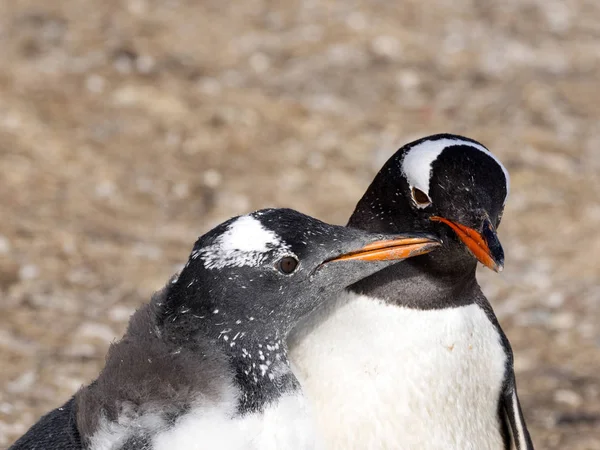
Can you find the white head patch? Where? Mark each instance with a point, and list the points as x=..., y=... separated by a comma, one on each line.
x=245, y=243
x=417, y=162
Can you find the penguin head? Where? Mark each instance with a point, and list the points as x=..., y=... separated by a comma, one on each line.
x=446, y=184
x=267, y=270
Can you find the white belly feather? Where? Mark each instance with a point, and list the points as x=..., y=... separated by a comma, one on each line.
x=287, y=423
x=381, y=376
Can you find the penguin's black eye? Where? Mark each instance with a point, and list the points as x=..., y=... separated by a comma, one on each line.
x=421, y=198
x=287, y=264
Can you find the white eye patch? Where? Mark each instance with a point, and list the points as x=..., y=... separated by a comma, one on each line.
x=246, y=242
x=418, y=161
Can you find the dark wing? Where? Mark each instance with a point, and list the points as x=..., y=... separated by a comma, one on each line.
x=57, y=430
x=512, y=411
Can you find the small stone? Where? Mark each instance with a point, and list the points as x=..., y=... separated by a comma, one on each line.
x=22, y=383
x=124, y=63
x=29, y=272
x=80, y=350
x=356, y=21
x=211, y=178
x=260, y=62
x=12, y=121
x=173, y=139
x=316, y=160
x=145, y=185
x=555, y=299
x=524, y=362
x=147, y=251
x=4, y=245
x=562, y=321
x=96, y=330
x=6, y=408
x=386, y=47
x=239, y=202
x=120, y=313
x=137, y=7
x=95, y=84
x=567, y=397
x=181, y=190
x=80, y=276
x=209, y=86
x=408, y=80
x=145, y=64
x=105, y=189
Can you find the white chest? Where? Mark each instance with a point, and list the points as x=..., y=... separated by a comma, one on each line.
x=381, y=376
x=286, y=424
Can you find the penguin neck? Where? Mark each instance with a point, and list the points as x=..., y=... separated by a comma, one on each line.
x=257, y=353
x=421, y=283
x=262, y=371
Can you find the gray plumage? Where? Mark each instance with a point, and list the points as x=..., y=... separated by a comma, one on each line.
x=202, y=363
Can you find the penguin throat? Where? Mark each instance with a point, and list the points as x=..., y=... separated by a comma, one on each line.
x=257, y=355
x=420, y=283
x=262, y=372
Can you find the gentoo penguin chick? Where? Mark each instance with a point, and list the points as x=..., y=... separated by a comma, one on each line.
x=413, y=357
x=204, y=365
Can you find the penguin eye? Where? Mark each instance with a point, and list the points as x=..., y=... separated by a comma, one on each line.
x=287, y=264
x=421, y=198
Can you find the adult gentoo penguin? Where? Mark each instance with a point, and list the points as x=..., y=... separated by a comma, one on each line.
x=204, y=364
x=413, y=357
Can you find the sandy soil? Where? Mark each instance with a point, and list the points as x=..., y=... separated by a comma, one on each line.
x=127, y=128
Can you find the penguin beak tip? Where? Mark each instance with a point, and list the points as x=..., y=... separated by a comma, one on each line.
x=484, y=246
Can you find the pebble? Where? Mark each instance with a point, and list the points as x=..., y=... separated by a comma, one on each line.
x=96, y=330
x=22, y=383
x=145, y=64
x=386, y=46
x=260, y=62
x=147, y=251
x=562, y=321
x=209, y=86
x=408, y=80
x=4, y=245
x=80, y=350
x=120, y=313
x=181, y=190
x=6, y=408
x=567, y=397
x=29, y=272
x=105, y=189
x=211, y=178
x=95, y=83
x=356, y=21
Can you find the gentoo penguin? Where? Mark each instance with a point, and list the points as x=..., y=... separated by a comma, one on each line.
x=204, y=364
x=413, y=357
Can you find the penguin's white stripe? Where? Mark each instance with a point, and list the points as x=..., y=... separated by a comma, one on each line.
x=248, y=235
x=245, y=243
x=520, y=438
x=417, y=162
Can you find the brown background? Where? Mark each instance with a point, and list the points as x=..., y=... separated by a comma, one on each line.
x=128, y=128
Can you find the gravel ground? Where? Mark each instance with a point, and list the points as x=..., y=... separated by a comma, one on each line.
x=128, y=128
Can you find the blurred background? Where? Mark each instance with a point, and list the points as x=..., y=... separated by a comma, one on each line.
x=130, y=127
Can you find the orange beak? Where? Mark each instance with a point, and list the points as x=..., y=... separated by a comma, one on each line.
x=399, y=249
x=485, y=246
